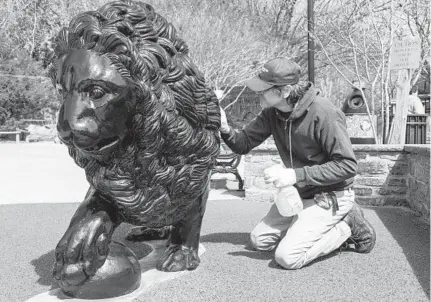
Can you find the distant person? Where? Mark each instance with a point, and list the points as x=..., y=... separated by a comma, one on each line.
x=318, y=160
x=415, y=104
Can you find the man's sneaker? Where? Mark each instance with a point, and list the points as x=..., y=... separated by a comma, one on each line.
x=363, y=236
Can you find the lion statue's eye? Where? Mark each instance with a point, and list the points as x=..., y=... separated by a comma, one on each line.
x=96, y=92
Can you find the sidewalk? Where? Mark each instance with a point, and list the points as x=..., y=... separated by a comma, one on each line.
x=45, y=173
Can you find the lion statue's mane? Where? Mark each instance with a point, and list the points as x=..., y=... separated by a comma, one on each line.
x=175, y=128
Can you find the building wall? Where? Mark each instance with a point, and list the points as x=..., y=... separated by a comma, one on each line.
x=394, y=175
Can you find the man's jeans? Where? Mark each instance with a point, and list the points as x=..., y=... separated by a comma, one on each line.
x=312, y=233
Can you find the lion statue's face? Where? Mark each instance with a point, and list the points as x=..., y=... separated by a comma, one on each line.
x=96, y=102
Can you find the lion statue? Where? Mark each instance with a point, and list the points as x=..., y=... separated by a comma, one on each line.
x=137, y=116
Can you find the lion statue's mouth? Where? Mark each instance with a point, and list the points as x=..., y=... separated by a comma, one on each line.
x=103, y=145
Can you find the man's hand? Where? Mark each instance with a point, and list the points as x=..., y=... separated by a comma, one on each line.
x=280, y=176
x=224, y=126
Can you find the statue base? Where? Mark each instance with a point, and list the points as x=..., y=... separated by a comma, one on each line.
x=149, y=276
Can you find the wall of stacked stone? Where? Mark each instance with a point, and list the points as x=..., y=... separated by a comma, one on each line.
x=394, y=175
x=418, y=179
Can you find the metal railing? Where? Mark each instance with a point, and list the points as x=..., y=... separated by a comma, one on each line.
x=416, y=129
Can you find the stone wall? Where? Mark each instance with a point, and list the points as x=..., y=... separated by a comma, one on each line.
x=395, y=175
x=382, y=175
x=418, y=178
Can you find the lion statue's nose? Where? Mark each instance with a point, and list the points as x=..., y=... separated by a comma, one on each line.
x=85, y=132
x=86, y=126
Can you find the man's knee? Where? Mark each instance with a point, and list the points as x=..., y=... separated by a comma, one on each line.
x=262, y=242
x=289, y=259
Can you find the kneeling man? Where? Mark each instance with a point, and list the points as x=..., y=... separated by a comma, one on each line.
x=311, y=138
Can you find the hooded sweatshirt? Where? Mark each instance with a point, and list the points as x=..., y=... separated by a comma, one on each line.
x=312, y=140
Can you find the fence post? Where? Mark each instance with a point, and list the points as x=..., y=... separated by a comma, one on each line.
x=397, y=134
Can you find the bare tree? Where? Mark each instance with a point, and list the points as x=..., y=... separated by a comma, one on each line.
x=231, y=44
x=356, y=38
x=417, y=15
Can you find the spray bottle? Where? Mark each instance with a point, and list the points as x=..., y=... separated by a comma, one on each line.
x=288, y=201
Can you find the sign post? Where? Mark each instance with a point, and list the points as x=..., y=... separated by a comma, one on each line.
x=405, y=55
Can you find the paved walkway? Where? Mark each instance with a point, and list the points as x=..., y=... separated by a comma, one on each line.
x=45, y=173
x=41, y=188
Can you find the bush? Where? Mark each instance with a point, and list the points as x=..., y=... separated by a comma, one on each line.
x=25, y=91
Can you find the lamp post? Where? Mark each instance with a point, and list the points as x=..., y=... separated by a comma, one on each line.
x=310, y=12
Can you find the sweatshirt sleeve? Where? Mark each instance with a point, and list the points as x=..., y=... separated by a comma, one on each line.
x=252, y=135
x=342, y=164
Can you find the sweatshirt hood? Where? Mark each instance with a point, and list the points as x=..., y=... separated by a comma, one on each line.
x=303, y=104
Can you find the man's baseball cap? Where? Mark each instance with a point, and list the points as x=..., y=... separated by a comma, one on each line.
x=276, y=72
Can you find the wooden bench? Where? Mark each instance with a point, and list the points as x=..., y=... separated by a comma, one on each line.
x=17, y=134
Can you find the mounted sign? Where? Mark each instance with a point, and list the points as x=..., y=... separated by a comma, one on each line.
x=405, y=54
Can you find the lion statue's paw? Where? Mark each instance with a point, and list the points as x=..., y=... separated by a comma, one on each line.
x=81, y=252
x=179, y=258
